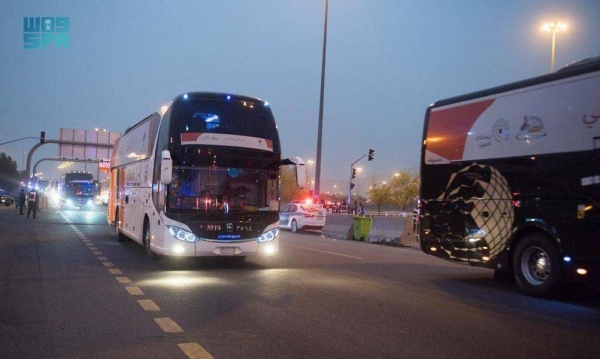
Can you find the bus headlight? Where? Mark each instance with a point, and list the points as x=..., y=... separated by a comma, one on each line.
x=182, y=234
x=268, y=236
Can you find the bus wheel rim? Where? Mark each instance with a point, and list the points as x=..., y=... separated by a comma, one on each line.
x=536, y=265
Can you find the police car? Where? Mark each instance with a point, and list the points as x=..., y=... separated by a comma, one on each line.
x=298, y=216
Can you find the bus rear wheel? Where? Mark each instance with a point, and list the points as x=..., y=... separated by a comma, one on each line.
x=536, y=266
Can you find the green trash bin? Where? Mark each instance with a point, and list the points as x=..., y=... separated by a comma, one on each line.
x=362, y=227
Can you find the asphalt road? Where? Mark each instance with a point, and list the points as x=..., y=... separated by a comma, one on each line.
x=69, y=290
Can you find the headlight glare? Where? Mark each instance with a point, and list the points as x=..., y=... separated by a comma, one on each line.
x=182, y=234
x=268, y=236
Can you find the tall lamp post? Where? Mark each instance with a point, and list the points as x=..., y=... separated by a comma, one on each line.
x=310, y=180
x=553, y=27
x=320, y=129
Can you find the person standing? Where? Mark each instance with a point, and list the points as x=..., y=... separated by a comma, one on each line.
x=32, y=203
x=21, y=201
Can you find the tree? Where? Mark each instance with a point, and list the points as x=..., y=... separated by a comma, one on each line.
x=404, y=188
x=380, y=195
x=9, y=175
x=289, y=188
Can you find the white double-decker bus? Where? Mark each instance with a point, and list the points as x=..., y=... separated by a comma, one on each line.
x=200, y=177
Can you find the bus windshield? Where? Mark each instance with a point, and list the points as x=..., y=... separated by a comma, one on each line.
x=226, y=156
x=79, y=189
x=222, y=190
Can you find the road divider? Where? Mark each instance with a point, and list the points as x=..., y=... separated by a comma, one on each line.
x=410, y=237
x=386, y=230
x=338, y=226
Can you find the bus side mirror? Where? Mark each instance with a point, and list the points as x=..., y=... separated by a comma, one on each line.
x=166, y=168
x=300, y=170
x=301, y=175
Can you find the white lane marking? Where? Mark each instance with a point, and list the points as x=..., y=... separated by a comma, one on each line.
x=168, y=325
x=134, y=290
x=318, y=250
x=191, y=350
x=194, y=351
x=149, y=305
x=123, y=280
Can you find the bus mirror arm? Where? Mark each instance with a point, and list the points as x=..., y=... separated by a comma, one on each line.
x=166, y=168
x=300, y=169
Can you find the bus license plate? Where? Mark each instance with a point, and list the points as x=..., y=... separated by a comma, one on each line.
x=227, y=251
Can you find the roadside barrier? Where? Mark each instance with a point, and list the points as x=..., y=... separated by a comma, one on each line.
x=386, y=230
x=410, y=236
x=338, y=226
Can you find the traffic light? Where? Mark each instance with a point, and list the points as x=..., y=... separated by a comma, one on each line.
x=42, y=137
x=371, y=154
x=352, y=185
x=353, y=173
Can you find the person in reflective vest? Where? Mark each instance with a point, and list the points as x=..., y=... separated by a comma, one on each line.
x=32, y=203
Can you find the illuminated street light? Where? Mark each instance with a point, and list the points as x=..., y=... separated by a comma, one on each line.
x=553, y=27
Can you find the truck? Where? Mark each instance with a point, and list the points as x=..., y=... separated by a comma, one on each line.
x=510, y=179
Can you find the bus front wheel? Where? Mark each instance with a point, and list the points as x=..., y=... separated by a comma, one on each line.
x=147, y=239
x=536, y=266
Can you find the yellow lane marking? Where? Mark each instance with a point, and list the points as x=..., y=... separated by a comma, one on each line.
x=149, y=305
x=134, y=290
x=103, y=258
x=123, y=280
x=194, y=351
x=108, y=264
x=115, y=271
x=168, y=325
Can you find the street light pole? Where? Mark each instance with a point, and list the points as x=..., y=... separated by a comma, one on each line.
x=553, y=27
x=310, y=174
x=320, y=129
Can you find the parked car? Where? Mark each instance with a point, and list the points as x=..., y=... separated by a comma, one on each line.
x=7, y=200
x=296, y=216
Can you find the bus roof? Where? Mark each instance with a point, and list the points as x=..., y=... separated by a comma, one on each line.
x=573, y=69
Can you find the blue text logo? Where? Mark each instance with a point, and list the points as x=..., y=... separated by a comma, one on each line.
x=40, y=32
